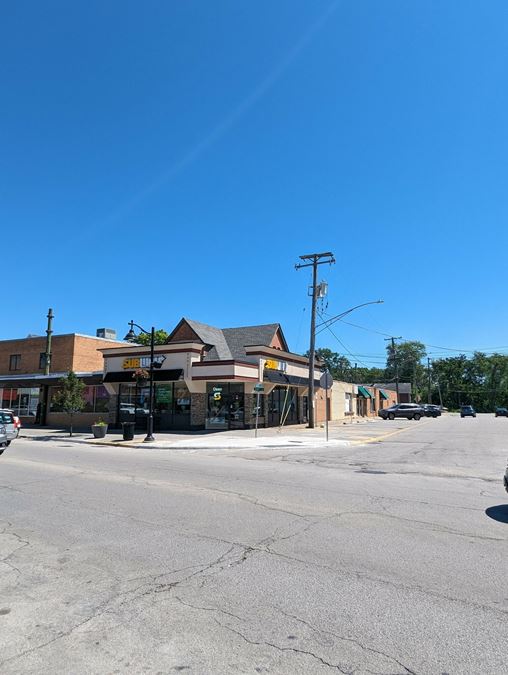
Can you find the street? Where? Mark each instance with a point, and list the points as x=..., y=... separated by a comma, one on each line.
x=386, y=556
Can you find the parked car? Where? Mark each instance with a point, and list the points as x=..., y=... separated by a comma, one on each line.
x=7, y=420
x=431, y=410
x=501, y=412
x=467, y=411
x=3, y=438
x=410, y=411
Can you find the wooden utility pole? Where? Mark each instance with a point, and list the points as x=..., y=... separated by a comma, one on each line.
x=314, y=259
x=396, y=362
x=429, y=384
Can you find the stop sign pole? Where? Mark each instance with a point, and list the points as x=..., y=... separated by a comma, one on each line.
x=326, y=382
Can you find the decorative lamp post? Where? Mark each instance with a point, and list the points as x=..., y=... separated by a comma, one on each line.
x=132, y=337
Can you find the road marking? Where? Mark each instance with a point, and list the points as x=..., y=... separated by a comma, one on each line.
x=372, y=439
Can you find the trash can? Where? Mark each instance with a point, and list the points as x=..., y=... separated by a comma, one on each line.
x=128, y=430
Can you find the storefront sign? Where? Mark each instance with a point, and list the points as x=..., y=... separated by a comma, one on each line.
x=271, y=364
x=141, y=362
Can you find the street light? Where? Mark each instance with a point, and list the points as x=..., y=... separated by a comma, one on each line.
x=329, y=322
x=132, y=337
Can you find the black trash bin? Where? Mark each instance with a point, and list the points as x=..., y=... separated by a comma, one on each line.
x=128, y=430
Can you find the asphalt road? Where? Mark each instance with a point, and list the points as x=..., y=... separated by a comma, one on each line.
x=386, y=557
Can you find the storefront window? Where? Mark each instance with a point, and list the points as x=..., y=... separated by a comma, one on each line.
x=22, y=401
x=88, y=396
x=96, y=399
x=225, y=405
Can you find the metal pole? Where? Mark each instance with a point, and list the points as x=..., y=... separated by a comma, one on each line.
x=326, y=413
x=149, y=435
x=49, y=333
x=257, y=415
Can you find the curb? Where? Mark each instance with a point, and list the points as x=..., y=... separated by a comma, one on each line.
x=141, y=446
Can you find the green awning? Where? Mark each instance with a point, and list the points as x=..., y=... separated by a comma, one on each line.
x=364, y=392
x=384, y=394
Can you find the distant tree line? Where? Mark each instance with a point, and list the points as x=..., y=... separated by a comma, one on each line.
x=480, y=380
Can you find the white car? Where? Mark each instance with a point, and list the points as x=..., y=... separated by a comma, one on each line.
x=3, y=438
x=11, y=429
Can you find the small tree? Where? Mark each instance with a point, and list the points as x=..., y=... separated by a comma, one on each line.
x=70, y=397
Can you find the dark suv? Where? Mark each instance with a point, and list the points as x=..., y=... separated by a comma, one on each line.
x=410, y=411
x=501, y=412
x=467, y=411
x=431, y=410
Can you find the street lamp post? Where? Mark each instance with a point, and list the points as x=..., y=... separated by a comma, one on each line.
x=131, y=337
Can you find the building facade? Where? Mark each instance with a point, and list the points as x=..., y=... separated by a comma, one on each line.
x=212, y=378
x=25, y=389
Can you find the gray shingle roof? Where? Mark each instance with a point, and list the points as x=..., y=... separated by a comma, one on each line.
x=211, y=336
x=230, y=343
x=238, y=338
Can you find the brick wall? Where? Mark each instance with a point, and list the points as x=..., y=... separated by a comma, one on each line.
x=198, y=410
x=68, y=352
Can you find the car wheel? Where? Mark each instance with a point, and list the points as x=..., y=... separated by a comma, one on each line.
x=8, y=443
x=391, y=416
x=416, y=417
x=2, y=449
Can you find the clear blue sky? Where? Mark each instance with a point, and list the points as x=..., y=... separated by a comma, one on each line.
x=170, y=158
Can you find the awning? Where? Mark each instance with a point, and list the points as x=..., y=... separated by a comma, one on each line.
x=364, y=392
x=276, y=377
x=384, y=394
x=158, y=375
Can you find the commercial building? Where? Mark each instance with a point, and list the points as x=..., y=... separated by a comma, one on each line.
x=212, y=378
x=372, y=398
x=25, y=389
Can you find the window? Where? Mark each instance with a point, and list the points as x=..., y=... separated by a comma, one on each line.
x=15, y=362
x=23, y=401
x=96, y=399
x=42, y=360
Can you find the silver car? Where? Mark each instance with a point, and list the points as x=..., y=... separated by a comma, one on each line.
x=7, y=419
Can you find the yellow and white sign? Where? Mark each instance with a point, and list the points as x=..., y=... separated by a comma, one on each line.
x=272, y=364
x=133, y=362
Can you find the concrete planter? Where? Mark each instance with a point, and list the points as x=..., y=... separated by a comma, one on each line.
x=99, y=430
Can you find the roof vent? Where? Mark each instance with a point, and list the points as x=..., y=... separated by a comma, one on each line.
x=107, y=333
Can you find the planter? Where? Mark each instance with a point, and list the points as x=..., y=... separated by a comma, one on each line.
x=99, y=430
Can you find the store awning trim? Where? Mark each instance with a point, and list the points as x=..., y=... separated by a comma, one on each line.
x=384, y=394
x=364, y=392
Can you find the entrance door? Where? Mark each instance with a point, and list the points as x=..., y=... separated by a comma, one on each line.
x=282, y=406
x=225, y=411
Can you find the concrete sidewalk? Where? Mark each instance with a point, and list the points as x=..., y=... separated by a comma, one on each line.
x=295, y=436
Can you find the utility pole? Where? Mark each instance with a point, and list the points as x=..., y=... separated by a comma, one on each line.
x=429, y=385
x=42, y=408
x=396, y=362
x=49, y=333
x=314, y=259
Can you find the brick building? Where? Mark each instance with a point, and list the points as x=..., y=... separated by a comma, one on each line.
x=25, y=389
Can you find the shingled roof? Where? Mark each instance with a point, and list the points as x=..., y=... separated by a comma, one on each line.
x=230, y=343
x=239, y=338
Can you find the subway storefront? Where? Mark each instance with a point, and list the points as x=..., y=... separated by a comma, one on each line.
x=194, y=390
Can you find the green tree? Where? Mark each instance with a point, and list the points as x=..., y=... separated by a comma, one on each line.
x=338, y=365
x=160, y=338
x=408, y=357
x=70, y=397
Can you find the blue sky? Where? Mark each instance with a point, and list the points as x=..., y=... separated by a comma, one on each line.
x=162, y=159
